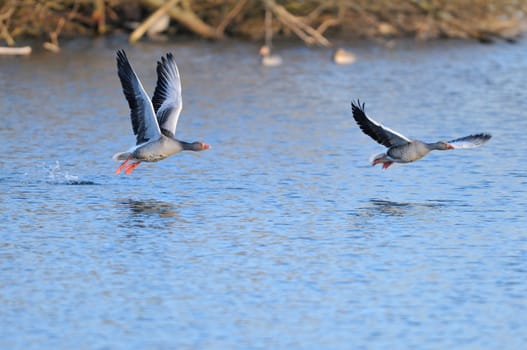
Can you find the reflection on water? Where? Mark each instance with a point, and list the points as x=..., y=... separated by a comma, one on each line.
x=282, y=236
x=390, y=208
x=146, y=208
x=152, y=214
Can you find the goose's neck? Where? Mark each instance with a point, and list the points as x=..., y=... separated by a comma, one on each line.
x=189, y=146
x=436, y=146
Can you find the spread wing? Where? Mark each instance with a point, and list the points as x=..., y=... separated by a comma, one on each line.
x=144, y=122
x=383, y=135
x=470, y=141
x=167, y=99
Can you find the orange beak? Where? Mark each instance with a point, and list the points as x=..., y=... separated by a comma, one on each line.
x=449, y=146
x=205, y=146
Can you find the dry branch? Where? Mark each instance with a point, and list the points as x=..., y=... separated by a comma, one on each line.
x=330, y=22
x=229, y=17
x=308, y=34
x=24, y=50
x=99, y=15
x=310, y=20
x=4, y=32
x=188, y=18
x=154, y=17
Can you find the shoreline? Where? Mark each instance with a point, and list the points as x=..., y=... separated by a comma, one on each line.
x=282, y=46
x=313, y=23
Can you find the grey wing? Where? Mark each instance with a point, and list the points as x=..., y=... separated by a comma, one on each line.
x=144, y=122
x=167, y=99
x=383, y=135
x=470, y=141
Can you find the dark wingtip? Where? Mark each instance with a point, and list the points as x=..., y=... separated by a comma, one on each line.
x=122, y=59
x=484, y=136
x=121, y=54
x=478, y=139
x=164, y=59
x=167, y=57
x=356, y=106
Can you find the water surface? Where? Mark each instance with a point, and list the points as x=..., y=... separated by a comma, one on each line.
x=282, y=235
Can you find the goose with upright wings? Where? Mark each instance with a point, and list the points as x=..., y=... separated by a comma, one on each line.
x=153, y=121
x=402, y=149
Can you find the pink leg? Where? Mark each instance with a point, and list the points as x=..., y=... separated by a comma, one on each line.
x=131, y=168
x=118, y=170
x=386, y=165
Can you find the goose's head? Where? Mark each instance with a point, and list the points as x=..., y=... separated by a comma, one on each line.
x=200, y=146
x=441, y=146
x=265, y=51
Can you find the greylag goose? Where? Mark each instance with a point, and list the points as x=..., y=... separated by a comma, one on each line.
x=402, y=149
x=269, y=59
x=341, y=56
x=153, y=122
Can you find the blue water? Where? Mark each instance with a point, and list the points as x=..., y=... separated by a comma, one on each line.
x=282, y=236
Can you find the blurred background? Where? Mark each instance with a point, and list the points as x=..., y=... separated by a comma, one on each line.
x=312, y=21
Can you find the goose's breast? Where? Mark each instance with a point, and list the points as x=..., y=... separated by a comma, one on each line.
x=409, y=152
x=154, y=151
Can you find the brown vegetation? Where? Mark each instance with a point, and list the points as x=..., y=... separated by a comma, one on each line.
x=313, y=21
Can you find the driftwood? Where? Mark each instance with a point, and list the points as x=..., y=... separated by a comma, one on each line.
x=484, y=28
x=151, y=20
x=229, y=17
x=268, y=27
x=24, y=50
x=188, y=18
x=308, y=34
x=53, y=44
x=99, y=15
x=310, y=20
x=4, y=32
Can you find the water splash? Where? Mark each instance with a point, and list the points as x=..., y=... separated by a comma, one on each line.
x=58, y=176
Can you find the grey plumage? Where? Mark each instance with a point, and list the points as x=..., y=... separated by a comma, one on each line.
x=153, y=121
x=402, y=149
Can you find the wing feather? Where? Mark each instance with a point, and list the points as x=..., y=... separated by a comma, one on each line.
x=167, y=100
x=144, y=122
x=470, y=141
x=380, y=133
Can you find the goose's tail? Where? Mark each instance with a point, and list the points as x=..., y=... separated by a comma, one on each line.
x=119, y=157
x=378, y=158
